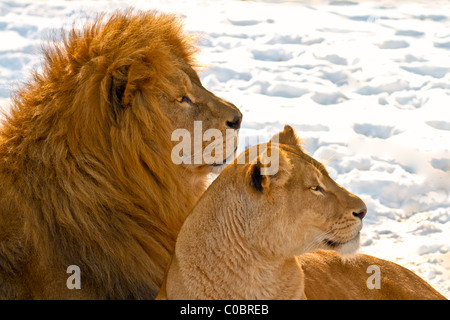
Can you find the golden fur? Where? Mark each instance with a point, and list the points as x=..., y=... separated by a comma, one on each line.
x=242, y=238
x=85, y=160
x=249, y=236
x=330, y=277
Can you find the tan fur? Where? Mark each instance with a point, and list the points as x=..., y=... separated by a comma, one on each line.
x=85, y=160
x=242, y=243
x=330, y=277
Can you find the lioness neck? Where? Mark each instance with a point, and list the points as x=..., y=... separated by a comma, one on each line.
x=226, y=268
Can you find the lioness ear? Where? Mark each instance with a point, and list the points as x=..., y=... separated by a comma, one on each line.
x=256, y=178
x=264, y=175
x=287, y=136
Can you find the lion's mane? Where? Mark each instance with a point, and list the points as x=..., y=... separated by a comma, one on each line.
x=85, y=167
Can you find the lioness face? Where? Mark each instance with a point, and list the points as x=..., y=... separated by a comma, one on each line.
x=299, y=208
x=328, y=215
x=212, y=122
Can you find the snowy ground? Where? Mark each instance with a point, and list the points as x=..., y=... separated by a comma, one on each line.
x=367, y=85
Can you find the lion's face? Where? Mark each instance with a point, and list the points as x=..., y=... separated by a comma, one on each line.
x=135, y=74
x=212, y=123
x=299, y=208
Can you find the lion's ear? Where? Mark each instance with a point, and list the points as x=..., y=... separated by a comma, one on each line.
x=124, y=85
x=118, y=93
x=269, y=172
x=287, y=136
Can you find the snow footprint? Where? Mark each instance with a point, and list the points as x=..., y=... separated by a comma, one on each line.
x=409, y=33
x=293, y=39
x=328, y=98
x=278, y=55
x=243, y=22
x=384, y=87
x=409, y=100
x=426, y=70
x=393, y=44
x=339, y=78
x=441, y=164
x=442, y=45
x=375, y=131
x=284, y=39
x=440, y=125
x=335, y=59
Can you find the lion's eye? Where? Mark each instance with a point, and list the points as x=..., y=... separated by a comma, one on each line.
x=184, y=99
x=316, y=188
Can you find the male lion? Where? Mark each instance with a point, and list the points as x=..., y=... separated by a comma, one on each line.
x=86, y=172
x=243, y=238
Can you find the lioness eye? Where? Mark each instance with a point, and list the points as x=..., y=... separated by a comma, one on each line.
x=316, y=188
x=184, y=99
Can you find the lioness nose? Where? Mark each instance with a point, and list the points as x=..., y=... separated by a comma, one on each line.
x=235, y=123
x=360, y=214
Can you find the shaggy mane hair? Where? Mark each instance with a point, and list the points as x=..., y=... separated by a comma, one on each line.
x=85, y=164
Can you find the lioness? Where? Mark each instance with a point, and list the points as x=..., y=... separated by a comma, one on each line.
x=243, y=238
x=86, y=170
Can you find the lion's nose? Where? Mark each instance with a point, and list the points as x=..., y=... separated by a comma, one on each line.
x=360, y=214
x=235, y=123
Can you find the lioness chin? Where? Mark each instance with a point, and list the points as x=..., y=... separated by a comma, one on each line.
x=250, y=233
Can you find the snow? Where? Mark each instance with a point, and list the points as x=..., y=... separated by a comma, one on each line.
x=366, y=84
